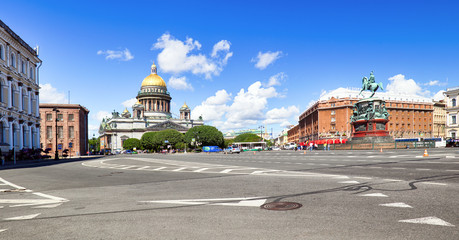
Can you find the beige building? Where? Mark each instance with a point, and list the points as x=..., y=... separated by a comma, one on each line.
x=71, y=121
x=439, y=119
x=452, y=113
x=19, y=89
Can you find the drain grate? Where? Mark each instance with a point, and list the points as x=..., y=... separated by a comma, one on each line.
x=281, y=206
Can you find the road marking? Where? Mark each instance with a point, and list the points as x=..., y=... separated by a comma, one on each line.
x=178, y=169
x=398, y=168
x=428, y=220
x=200, y=170
x=160, y=168
x=144, y=167
x=368, y=178
x=49, y=206
x=350, y=182
x=226, y=170
x=374, y=195
x=450, y=157
x=392, y=180
x=434, y=183
x=236, y=202
x=2, y=230
x=25, y=217
x=398, y=204
x=452, y=170
x=423, y=169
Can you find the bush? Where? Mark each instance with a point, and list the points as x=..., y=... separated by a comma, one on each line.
x=132, y=143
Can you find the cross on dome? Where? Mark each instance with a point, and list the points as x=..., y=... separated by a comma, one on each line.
x=153, y=69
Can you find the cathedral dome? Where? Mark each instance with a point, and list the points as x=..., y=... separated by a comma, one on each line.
x=153, y=79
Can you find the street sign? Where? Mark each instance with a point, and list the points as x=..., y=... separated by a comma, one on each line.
x=59, y=146
x=166, y=141
x=70, y=145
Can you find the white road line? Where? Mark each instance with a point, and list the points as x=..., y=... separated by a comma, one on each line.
x=11, y=184
x=144, y=167
x=428, y=220
x=450, y=157
x=423, y=169
x=22, y=217
x=349, y=182
x=178, y=169
x=452, y=170
x=200, y=170
x=374, y=167
x=374, y=195
x=398, y=168
x=434, y=183
x=392, y=180
x=226, y=170
x=2, y=230
x=160, y=168
x=398, y=204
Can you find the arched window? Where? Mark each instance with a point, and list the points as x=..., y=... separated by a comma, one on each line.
x=12, y=61
x=1, y=132
x=453, y=102
x=23, y=69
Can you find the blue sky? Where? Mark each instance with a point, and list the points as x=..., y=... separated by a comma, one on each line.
x=240, y=64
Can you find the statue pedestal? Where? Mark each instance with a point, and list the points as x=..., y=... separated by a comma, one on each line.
x=369, y=122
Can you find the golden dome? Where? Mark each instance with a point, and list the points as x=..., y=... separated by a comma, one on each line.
x=153, y=79
x=185, y=106
x=125, y=111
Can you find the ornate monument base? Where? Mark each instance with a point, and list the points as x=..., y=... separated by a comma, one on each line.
x=369, y=122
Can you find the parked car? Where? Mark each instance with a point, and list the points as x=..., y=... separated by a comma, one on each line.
x=232, y=150
x=276, y=149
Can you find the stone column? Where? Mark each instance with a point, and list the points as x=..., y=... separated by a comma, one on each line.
x=10, y=94
x=21, y=136
x=10, y=133
x=20, y=106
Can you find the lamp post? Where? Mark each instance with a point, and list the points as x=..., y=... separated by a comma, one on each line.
x=56, y=154
x=261, y=130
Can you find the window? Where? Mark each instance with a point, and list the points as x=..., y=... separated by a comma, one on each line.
x=12, y=61
x=31, y=73
x=453, y=102
x=1, y=52
x=453, y=120
x=333, y=119
x=49, y=132
x=23, y=69
x=60, y=117
x=453, y=135
x=49, y=117
x=60, y=131
x=71, y=135
x=333, y=112
x=70, y=117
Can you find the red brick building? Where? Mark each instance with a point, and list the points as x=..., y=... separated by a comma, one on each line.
x=72, y=128
x=293, y=134
x=329, y=117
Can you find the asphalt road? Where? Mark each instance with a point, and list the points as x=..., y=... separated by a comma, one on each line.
x=394, y=194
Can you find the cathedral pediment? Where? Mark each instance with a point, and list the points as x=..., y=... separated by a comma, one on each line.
x=167, y=125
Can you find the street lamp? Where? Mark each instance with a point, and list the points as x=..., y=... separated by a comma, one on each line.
x=261, y=127
x=56, y=154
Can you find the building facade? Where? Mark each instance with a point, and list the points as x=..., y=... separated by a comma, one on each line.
x=150, y=113
x=439, y=119
x=452, y=113
x=293, y=134
x=329, y=117
x=68, y=123
x=19, y=92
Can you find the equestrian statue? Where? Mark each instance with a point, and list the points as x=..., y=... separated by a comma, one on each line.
x=370, y=85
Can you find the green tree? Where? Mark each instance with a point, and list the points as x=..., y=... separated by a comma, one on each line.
x=205, y=136
x=171, y=135
x=94, y=144
x=247, y=137
x=149, y=141
x=228, y=142
x=132, y=143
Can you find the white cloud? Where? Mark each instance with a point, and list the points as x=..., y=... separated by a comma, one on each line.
x=176, y=56
x=265, y=59
x=398, y=84
x=179, y=83
x=276, y=80
x=280, y=115
x=128, y=103
x=124, y=55
x=439, y=95
x=101, y=115
x=49, y=94
x=214, y=107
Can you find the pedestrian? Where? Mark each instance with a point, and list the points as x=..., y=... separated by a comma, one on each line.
x=311, y=146
x=325, y=146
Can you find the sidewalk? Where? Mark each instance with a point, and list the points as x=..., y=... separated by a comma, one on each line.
x=48, y=161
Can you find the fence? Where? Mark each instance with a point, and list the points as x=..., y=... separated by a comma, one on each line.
x=387, y=145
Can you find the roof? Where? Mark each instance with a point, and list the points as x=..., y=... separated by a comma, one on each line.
x=55, y=105
x=354, y=93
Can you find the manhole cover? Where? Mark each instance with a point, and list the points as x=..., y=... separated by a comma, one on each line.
x=281, y=206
